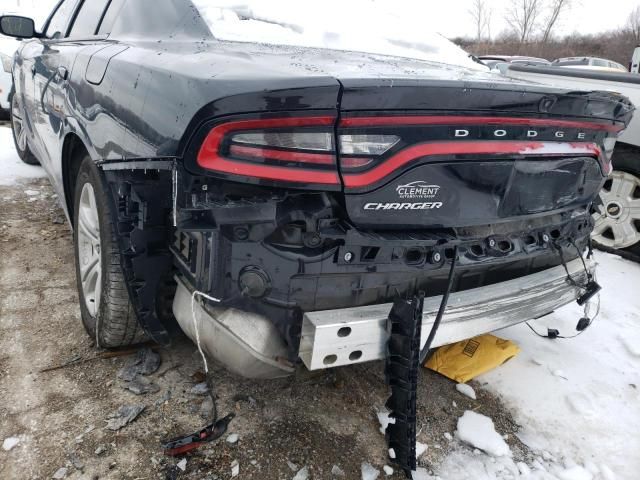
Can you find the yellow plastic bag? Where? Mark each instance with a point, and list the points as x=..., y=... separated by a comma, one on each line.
x=465, y=360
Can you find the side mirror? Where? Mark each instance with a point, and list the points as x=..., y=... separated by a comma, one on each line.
x=18, y=27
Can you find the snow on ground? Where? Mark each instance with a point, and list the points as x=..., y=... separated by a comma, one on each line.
x=577, y=400
x=466, y=390
x=12, y=169
x=478, y=431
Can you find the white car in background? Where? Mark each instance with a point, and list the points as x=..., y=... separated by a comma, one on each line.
x=7, y=47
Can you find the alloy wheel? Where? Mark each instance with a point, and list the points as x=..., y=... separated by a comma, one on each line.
x=617, y=219
x=89, y=249
x=18, y=127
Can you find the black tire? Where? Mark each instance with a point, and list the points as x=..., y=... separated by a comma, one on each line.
x=114, y=323
x=25, y=155
x=627, y=159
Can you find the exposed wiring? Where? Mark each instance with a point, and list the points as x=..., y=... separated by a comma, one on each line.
x=581, y=331
x=443, y=304
x=584, y=264
x=586, y=321
x=570, y=279
x=195, y=323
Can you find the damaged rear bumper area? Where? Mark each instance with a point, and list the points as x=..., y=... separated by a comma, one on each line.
x=297, y=279
x=249, y=344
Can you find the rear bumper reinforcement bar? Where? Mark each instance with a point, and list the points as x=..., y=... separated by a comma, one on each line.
x=332, y=338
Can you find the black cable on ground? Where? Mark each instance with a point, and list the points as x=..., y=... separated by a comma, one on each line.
x=443, y=305
x=212, y=394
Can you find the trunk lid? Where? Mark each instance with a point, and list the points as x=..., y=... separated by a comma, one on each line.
x=489, y=154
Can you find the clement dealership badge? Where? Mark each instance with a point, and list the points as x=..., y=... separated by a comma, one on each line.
x=417, y=189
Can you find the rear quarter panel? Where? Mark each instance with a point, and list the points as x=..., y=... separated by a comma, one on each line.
x=150, y=101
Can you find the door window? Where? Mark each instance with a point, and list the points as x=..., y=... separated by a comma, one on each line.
x=59, y=23
x=88, y=18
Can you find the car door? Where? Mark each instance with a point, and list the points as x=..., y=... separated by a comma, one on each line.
x=32, y=72
x=54, y=68
x=24, y=79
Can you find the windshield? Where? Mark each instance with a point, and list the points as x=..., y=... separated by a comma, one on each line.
x=355, y=25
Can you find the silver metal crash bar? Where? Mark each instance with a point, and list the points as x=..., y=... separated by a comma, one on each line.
x=331, y=338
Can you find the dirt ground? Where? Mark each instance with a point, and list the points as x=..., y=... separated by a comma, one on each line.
x=316, y=420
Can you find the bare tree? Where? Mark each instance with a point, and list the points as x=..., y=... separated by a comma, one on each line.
x=522, y=17
x=481, y=15
x=633, y=24
x=556, y=9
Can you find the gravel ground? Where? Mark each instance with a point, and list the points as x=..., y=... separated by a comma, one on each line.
x=314, y=419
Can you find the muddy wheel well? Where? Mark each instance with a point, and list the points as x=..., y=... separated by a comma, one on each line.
x=73, y=150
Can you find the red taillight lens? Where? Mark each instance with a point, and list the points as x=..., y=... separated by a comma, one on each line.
x=299, y=150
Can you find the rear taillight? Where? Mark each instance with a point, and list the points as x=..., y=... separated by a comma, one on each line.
x=299, y=150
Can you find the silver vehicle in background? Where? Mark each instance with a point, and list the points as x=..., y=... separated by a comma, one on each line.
x=590, y=63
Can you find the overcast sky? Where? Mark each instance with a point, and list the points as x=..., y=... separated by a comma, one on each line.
x=452, y=18
x=586, y=16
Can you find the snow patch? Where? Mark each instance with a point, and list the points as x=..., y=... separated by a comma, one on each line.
x=12, y=169
x=466, y=390
x=384, y=419
x=420, y=449
x=10, y=443
x=632, y=346
x=369, y=472
x=575, y=473
x=235, y=468
x=479, y=431
x=303, y=474
x=421, y=474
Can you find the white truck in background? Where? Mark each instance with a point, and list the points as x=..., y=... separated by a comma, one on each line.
x=618, y=216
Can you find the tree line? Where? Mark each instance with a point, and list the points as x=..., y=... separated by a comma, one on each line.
x=532, y=31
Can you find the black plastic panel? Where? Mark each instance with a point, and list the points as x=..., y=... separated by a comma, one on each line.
x=466, y=193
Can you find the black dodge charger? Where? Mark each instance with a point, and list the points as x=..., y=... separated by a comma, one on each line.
x=275, y=200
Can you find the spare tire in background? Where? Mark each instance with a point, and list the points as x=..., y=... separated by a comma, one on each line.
x=617, y=213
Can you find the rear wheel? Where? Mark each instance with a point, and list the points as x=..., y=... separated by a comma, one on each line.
x=107, y=313
x=20, y=134
x=617, y=218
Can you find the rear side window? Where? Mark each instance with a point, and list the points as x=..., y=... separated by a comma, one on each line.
x=600, y=63
x=110, y=16
x=88, y=18
x=59, y=23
